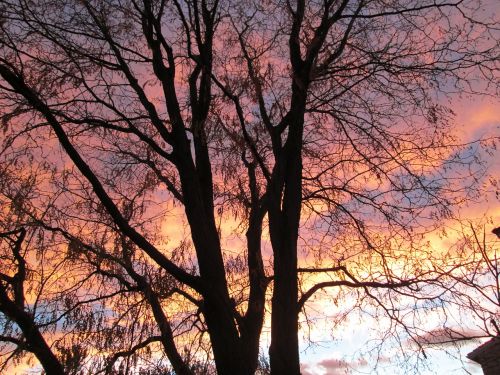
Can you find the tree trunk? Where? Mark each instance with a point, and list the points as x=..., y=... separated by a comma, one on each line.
x=224, y=338
x=284, y=351
x=39, y=347
x=284, y=227
x=35, y=343
x=284, y=224
x=253, y=320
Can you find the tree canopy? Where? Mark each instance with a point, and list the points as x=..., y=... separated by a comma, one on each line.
x=174, y=172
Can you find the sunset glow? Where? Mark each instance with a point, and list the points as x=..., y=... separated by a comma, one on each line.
x=242, y=187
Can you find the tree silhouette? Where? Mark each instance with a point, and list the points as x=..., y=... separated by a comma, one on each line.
x=315, y=125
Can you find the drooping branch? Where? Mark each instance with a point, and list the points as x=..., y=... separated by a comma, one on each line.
x=129, y=352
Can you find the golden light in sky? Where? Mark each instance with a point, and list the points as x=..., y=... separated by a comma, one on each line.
x=201, y=187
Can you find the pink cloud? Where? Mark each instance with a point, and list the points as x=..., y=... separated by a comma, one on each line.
x=448, y=336
x=332, y=366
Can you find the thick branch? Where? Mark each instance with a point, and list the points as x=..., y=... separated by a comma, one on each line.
x=29, y=94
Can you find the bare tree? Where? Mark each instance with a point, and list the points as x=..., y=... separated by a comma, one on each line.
x=477, y=288
x=316, y=123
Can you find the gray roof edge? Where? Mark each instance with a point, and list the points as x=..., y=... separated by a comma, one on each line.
x=483, y=348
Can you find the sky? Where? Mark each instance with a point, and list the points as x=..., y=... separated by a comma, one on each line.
x=476, y=117
x=333, y=350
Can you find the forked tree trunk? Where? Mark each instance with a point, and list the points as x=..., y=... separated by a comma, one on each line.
x=217, y=306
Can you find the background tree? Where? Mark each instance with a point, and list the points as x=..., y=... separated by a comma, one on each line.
x=478, y=278
x=291, y=118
